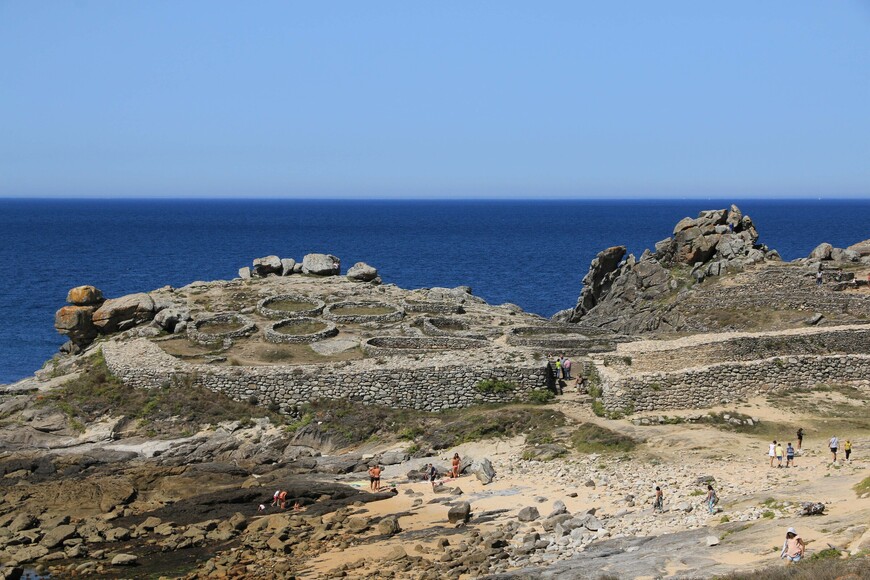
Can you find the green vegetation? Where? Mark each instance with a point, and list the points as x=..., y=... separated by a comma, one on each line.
x=494, y=386
x=863, y=486
x=297, y=328
x=592, y=438
x=349, y=423
x=810, y=568
x=825, y=554
x=362, y=310
x=176, y=407
x=541, y=396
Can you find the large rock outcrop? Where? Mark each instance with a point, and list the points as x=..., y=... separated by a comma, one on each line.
x=626, y=294
x=124, y=312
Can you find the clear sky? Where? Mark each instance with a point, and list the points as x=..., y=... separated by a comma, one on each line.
x=435, y=99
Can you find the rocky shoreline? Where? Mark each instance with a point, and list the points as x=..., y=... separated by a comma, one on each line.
x=145, y=448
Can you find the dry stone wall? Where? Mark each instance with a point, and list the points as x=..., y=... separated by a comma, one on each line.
x=420, y=384
x=704, y=387
x=820, y=341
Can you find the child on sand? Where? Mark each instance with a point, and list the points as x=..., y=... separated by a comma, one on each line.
x=772, y=452
x=659, y=505
x=793, y=547
x=779, y=454
x=847, y=447
x=789, y=455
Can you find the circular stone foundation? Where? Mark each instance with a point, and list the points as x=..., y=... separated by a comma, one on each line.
x=360, y=312
x=300, y=330
x=432, y=306
x=560, y=337
x=290, y=306
x=227, y=325
x=396, y=345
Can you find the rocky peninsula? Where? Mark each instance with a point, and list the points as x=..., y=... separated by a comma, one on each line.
x=152, y=444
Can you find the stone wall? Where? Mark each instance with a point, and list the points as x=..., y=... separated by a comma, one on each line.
x=415, y=384
x=741, y=348
x=704, y=387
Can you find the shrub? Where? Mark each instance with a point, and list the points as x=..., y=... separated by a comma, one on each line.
x=541, y=396
x=592, y=438
x=494, y=386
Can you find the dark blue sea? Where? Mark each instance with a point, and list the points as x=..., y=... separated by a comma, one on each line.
x=532, y=253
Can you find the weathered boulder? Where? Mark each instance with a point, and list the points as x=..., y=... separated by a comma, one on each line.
x=56, y=536
x=287, y=266
x=822, y=252
x=321, y=264
x=483, y=469
x=124, y=560
x=245, y=273
x=77, y=323
x=597, y=282
x=22, y=522
x=528, y=514
x=357, y=524
x=393, y=457
x=459, y=513
x=362, y=272
x=862, y=248
x=168, y=318
x=123, y=313
x=389, y=526
x=84, y=296
x=267, y=265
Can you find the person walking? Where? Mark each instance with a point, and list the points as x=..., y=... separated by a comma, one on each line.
x=793, y=547
x=779, y=454
x=800, y=437
x=712, y=499
x=833, y=445
x=772, y=452
x=566, y=368
x=819, y=278
x=789, y=455
x=659, y=505
x=847, y=447
x=558, y=365
x=432, y=475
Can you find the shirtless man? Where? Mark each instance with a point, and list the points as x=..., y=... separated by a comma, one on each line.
x=375, y=478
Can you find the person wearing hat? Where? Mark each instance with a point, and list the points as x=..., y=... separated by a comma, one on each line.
x=793, y=547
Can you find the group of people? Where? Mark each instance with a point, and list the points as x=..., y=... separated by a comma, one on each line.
x=560, y=366
x=711, y=499
x=279, y=500
x=431, y=471
x=776, y=452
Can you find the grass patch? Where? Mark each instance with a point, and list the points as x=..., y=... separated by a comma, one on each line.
x=853, y=568
x=863, y=486
x=169, y=410
x=541, y=396
x=494, y=386
x=592, y=438
x=350, y=423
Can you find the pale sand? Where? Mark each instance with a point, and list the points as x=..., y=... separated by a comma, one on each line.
x=733, y=459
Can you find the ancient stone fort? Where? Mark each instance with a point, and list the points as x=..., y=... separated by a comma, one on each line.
x=710, y=316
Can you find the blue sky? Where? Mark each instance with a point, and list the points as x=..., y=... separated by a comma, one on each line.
x=413, y=99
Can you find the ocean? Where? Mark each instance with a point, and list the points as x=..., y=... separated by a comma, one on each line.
x=531, y=253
